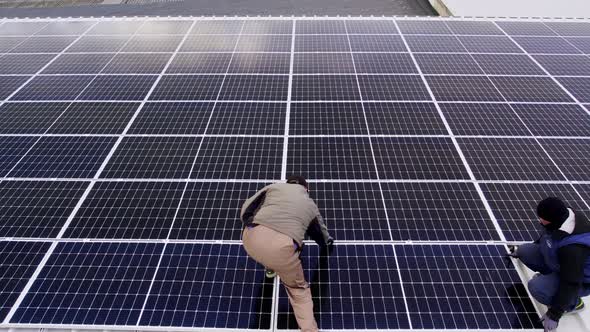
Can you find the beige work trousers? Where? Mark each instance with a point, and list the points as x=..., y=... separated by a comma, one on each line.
x=276, y=251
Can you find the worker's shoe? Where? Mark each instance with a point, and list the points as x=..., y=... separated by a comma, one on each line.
x=579, y=307
x=270, y=273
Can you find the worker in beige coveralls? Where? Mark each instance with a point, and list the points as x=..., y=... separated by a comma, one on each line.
x=276, y=220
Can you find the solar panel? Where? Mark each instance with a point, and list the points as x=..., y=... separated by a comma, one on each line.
x=127, y=146
x=18, y=261
x=456, y=287
x=104, y=283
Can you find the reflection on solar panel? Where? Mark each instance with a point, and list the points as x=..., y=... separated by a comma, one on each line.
x=128, y=145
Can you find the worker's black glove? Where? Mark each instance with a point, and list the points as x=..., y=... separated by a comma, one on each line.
x=328, y=248
x=512, y=252
x=330, y=241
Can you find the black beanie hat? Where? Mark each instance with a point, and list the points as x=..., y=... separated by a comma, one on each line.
x=296, y=179
x=553, y=210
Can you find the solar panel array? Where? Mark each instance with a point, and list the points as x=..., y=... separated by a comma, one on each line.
x=128, y=145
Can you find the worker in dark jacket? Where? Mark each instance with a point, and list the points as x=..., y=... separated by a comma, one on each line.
x=276, y=220
x=562, y=258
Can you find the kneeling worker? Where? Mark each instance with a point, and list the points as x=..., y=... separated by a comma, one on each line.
x=276, y=220
x=562, y=258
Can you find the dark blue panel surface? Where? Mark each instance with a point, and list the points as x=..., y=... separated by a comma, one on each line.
x=404, y=119
x=572, y=156
x=463, y=287
x=37, y=209
x=331, y=158
x=119, y=87
x=447, y=64
x=127, y=210
x=62, y=157
x=483, y=119
x=352, y=211
x=209, y=285
x=577, y=86
x=473, y=28
x=371, y=27
x=211, y=210
x=190, y=87
x=508, y=159
x=29, y=118
x=256, y=87
x=78, y=63
x=530, y=89
x=182, y=118
x=94, y=118
x=239, y=158
x=51, y=87
x=18, y=261
x=23, y=63
x=417, y=158
x=325, y=88
x=91, y=284
x=437, y=212
x=43, y=45
x=515, y=204
x=248, y=119
x=393, y=87
x=356, y=287
x=571, y=65
x=12, y=150
x=463, y=88
x=9, y=84
x=316, y=27
x=327, y=119
x=153, y=158
x=535, y=117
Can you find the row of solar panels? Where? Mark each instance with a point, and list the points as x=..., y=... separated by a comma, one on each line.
x=214, y=285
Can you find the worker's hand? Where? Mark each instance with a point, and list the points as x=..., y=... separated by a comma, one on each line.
x=328, y=248
x=549, y=324
x=330, y=241
x=513, y=253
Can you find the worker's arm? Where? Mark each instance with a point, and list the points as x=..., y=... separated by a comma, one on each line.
x=252, y=204
x=318, y=232
x=572, y=260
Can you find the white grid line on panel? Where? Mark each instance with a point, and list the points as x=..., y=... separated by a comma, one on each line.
x=454, y=140
x=288, y=113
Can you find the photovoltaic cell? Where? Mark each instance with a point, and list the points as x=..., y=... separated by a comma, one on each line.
x=327, y=119
x=247, y=119
x=209, y=43
x=579, y=87
x=336, y=158
x=473, y=28
x=18, y=261
x=483, y=119
x=437, y=212
x=572, y=156
x=352, y=211
x=325, y=88
x=403, y=119
x=48, y=87
x=571, y=65
x=581, y=43
x=535, y=117
x=457, y=287
x=147, y=43
x=526, y=28
x=115, y=28
x=264, y=43
x=64, y=157
x=515, y=206
x=118, y=87
x=29, y=118
x=37, y=209
x=463, y=88
x=321, y=43
x=376, y=43
x=189, y=87
x=197, y=63
x=8, y=43
x=127, y=210
x=211, y=27
x=547, y=45
x=279, y=27
x=255, y=87
x=65, y=28
x=417, y=158
x=183, y=118
x=91, y=284
x=23, y=63
x=356, y=287
x=508, y=159
x=130, y=63
x=187, y=291
x=408, y=27
x=371, y=27
x=384, y=63
x=570, y=28
x=78, y=63
x=530, y=89
x=320, y=27
x=9, y=84
x=103, y=44
x=328, y=63
x=393, y=87
x=259, y=63
x=21, y=28
x=437, y=44
x=584, y=191
x=165, y=27
x=12, y=150
x=153, y=157
x=507, y=64
x=447, y=64
x=94, y=118
x=43, y=45
x=239, y=158
x=489, y=44
x=211, y=210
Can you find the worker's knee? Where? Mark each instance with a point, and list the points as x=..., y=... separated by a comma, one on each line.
x=543, y=288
